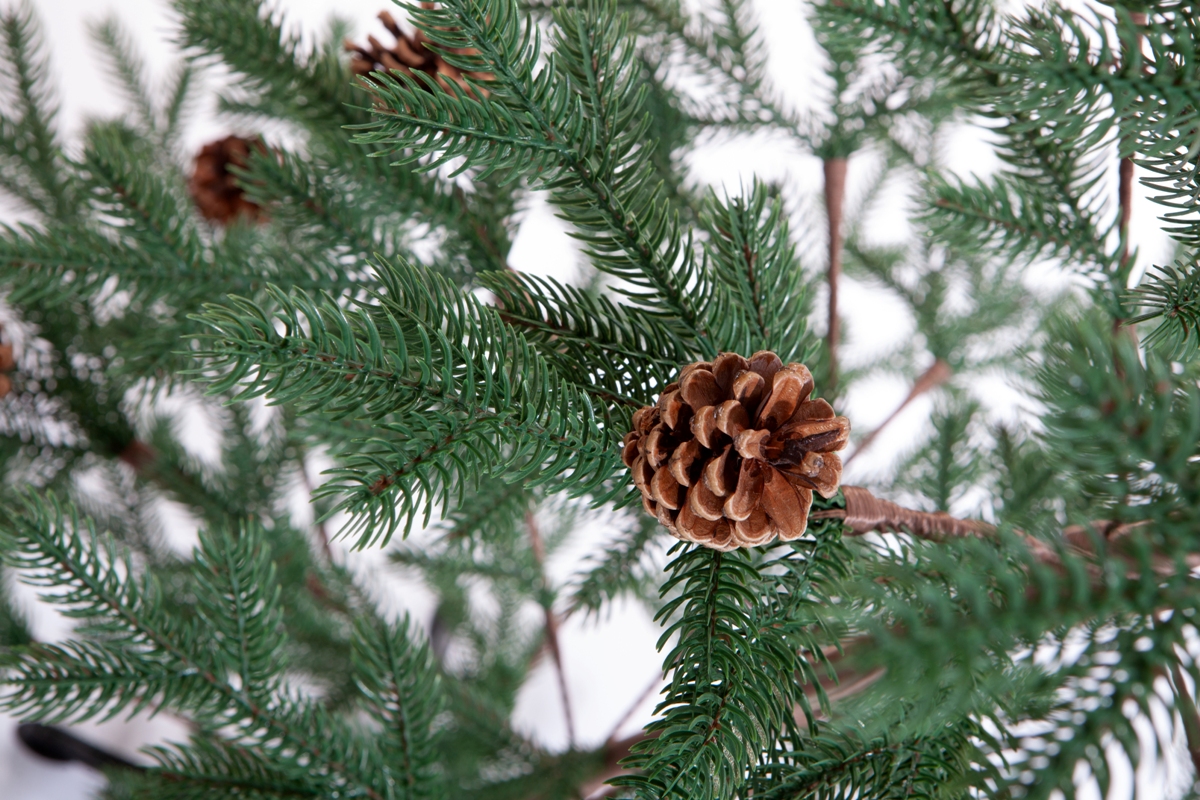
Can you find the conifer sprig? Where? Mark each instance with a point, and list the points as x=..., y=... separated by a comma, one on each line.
x=737, y=627
x=225, y=672
x=30, y=154
x=451, y=389
x=574, y=127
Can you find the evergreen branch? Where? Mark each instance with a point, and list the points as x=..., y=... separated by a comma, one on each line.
x=1171, y=293
x=751, y=257
x=45, y=543
x=315, y=200
x=581, y=117
x=244, y=34
x=434, y=368
x=966, y=43
x=311, y=88
x=127, y=67
x=400, y=685
x=30, y=137
x=622, y=351
x=741, y=635
x=178, y=103
x=239, y=594
x=622, y=569
x=158, y=219
x=732, y=50
x=1011, y=215
x=208, y=765
x=846, y=763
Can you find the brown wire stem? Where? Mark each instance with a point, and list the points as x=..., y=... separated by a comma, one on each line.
x=938, y=373
x=539, y=555
x=835, y=196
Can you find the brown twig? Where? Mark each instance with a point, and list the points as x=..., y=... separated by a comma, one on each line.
x=835, y=196
x=1188, y=713
x=938, y=373
x=866, y=513
x=633, y=707
x=318, y=523
x=539, y=555
x=1125, y=173
x=614, y=753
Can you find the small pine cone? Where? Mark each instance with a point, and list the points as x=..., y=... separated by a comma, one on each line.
x=409, y=55
x=8, y=363
x=732, y=452
x=214, y=187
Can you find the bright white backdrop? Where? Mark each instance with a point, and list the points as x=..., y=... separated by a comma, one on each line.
x=610, y=662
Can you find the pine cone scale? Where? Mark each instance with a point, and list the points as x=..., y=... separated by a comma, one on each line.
x=409, y=55
x=786, y=504
x=732, y=452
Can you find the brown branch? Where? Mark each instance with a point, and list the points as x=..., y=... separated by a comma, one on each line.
x=633, y=707
x=866, y=513
x=614, y=753
x=835, y=196
x=1125, y=198
x=1188, y=713
x=539, y=555
x=318, y=523
x=1125, y=174
x=938, y=373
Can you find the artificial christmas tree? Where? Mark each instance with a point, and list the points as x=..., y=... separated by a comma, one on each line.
x=997, y=615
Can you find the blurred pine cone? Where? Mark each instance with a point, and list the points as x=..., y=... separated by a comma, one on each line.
x=732, y=452
x=408, y=55
x=214, y=187
x=8, y=363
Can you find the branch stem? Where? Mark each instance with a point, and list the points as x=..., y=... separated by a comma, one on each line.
x=318, y=520
x=835, y=196
x=539, y=555
x=938, y=373
x=633, y=707
x=1125, y=173
x=1188, y=713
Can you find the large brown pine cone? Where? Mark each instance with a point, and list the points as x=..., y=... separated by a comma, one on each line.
x=408, y=55
x=214, y=187
x=732, y=452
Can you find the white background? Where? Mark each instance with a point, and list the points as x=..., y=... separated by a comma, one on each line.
x=610, y=662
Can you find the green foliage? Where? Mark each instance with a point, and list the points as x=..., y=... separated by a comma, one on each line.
x=746, y=639
x=574, y=128
x=760, y=303
x=29, y=151
x=220, y=665
x=479, y=412
x=450, y=389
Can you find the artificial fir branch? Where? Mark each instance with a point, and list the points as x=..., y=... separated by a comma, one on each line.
x=839, y=664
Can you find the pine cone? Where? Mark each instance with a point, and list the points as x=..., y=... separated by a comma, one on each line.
x=8, y=363
x=214, y=188
x=409, y=55
x=732, y=452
